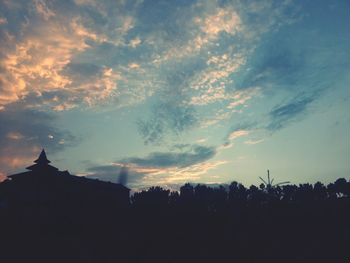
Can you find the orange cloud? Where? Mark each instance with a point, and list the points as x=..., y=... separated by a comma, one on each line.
x=241, y=97
x=2, y=177
x=36, y=62
x=169, y=175
x=209, y=85
x=43, y=9
x=3, y=20
x=207, y=32
x=134, y=66
x=12, y=159
x=135, y=42
x=223, y=20
x=14, y=136
x=236, y=134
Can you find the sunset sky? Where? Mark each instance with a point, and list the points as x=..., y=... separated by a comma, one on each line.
x=177, y=91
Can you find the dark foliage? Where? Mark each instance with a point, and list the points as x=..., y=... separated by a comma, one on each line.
x=51, y=216
x=72, y=220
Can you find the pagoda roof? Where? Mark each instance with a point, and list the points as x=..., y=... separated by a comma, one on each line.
x=42, y=159
x=42, y=169
x=42, y=163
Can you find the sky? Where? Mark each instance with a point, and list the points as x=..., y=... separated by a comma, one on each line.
x=208, y=91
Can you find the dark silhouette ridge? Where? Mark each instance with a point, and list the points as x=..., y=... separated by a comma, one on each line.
x=47, y=215
x=45, y=184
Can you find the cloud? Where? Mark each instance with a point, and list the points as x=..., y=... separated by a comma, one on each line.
x=306, y=61
x=261, y=17
x=135, y=42
x=186, y=163
x=176, y=175
x=202, y=140
x=222, y=20
x=253, y=142
x=209, y=56
x=194, y=154
x=2, y=177
x=193, y=64
x=171, y=112
x=237, y=131
x=209, y=85
x=241, y=129
x=24, y=132
x=142, y=177
x=284, y=114
x=236, y=134
x=3, y=20
x=107, y=53
x=197, y=31
x=303, y=67
x=228, y=143
x=14, y=136
x=33, y=63
x=167, y=118
x=42, y=9
x=111, y=173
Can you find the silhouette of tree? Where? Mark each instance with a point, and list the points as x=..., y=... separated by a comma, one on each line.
x=320, y=192
x=255, y=195
x=202, y=195
x=154, y=196
x=174, y=198
x=290, y=193
x=187, y=193
x=304, y=193
x=237, y=195
x=341, y=187
x=219, y=198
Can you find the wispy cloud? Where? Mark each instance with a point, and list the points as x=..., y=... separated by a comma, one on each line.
x=212, y=52
x=236, y=134
x=284, y=114
x=205, y=30
x=193, y=154
x=191, y=173
x=145, y=176
x=173, y=114
x=188, y=163
x=253, y=142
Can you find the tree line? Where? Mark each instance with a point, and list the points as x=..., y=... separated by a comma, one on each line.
x=236, y=194
x=198, y=223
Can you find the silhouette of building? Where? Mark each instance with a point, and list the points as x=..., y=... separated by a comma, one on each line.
x=45, y=186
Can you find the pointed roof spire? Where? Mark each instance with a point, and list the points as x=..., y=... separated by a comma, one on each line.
x=42, y=163
x=42, y=159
